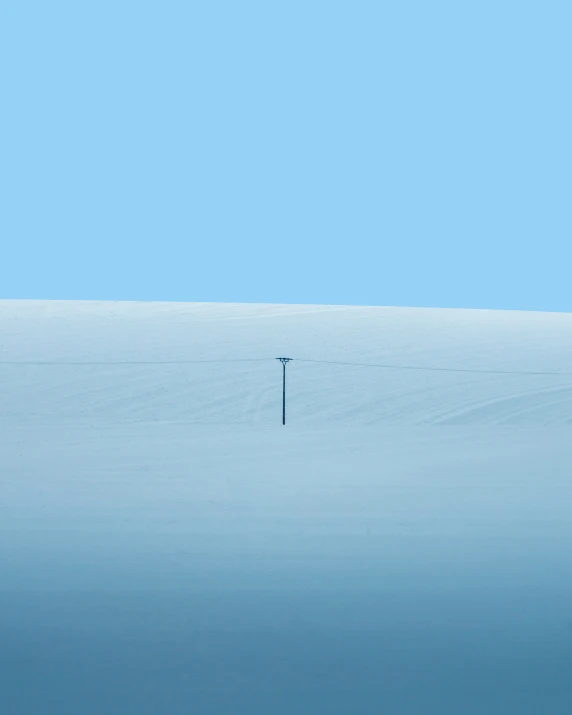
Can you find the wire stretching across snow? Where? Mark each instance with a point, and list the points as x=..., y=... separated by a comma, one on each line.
x=127, y=362
x=386, y=366
x=432, y=369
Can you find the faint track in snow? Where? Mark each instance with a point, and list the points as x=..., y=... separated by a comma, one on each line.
x=504, y=409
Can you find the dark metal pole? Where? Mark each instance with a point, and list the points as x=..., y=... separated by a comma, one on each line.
x=284, y=361
x=283, y=393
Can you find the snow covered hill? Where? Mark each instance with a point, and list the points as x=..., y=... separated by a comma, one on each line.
x=140, y=362
x=167, y=547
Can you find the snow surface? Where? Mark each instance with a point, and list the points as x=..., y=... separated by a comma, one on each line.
x=402, y=546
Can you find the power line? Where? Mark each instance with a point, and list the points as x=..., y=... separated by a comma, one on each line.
x=127, y=362
x=432, y=369
x=386, y=366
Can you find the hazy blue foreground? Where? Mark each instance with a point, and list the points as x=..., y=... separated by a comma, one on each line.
x=285, y=571
x=402, y=547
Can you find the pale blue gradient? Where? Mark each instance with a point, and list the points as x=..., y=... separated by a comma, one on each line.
x=201, y=572
x=410, y=153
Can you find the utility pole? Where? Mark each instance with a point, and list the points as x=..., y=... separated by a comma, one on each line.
x=284, y=362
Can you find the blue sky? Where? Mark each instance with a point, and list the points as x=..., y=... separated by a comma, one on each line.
x=385, y=153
